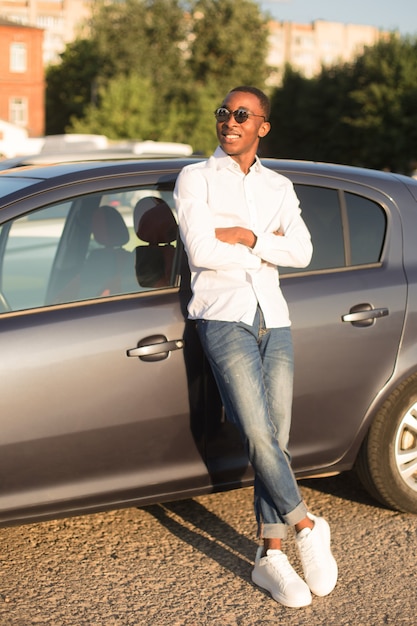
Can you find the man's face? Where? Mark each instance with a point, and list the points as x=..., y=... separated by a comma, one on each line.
x=238, y=140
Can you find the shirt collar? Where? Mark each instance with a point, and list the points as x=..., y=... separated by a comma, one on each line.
x=223, y=160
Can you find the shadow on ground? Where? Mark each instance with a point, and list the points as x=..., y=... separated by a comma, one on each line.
x=346, y=486
x=194, y=524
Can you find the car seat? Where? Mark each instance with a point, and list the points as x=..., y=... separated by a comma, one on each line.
x=106, y=265
x=156, y=226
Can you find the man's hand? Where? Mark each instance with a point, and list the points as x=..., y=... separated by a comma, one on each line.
x=236, y=234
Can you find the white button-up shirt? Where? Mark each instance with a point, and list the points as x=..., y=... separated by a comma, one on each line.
x=228, y=281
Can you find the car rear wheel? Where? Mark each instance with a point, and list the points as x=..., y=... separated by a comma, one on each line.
x=387, y=461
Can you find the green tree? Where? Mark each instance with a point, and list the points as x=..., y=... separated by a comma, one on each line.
x=191, y=119
x=228, y=43
x=361, y=113
x=158, y=47
x=71, y=85
x=141, y=36
x=125, y=110
x=293, y=132
x=383, y=96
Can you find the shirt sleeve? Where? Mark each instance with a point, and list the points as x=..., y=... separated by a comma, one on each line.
x=294, y=248
x=197, y=228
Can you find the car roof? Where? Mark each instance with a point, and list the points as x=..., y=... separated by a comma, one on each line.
x=38, y=178
x=84, y=169
x=22, y=182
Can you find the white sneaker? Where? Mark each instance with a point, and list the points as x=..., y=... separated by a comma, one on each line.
x=319, y=565
x=274, y=573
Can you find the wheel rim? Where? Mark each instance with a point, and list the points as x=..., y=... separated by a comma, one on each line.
x=406, y=448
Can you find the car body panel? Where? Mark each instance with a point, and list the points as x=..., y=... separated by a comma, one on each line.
x=90, y=421
x=87, y=427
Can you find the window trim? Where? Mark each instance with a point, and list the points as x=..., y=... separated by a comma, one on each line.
x=18, y=59
x=18, y=111
x=349, y=188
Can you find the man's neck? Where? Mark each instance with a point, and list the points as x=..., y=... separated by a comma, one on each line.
x=245, y=162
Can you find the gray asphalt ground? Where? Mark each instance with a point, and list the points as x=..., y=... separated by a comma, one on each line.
x=188, y=564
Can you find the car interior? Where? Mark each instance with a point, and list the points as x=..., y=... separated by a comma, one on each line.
x=94, y=246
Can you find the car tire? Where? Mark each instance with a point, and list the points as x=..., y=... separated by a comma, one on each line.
x=382, y=465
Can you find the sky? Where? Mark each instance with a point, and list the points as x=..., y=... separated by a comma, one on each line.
x=399, y=15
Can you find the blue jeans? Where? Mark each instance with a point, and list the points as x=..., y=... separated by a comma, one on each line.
x=253, y=368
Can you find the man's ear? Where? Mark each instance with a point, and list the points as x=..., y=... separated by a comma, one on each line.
x=264, y=129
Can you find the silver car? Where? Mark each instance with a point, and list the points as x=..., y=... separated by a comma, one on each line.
x=106, y=398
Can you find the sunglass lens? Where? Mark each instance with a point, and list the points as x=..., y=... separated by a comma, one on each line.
x=240, y=115
x=222, y=114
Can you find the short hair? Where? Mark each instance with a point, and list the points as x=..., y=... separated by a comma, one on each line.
x=262, y=97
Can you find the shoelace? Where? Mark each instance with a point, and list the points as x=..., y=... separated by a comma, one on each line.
x=310, y=550
x=281, y=566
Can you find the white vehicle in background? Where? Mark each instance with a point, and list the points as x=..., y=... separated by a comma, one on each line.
x=73, y=148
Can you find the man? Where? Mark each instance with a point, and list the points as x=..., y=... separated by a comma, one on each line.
x=239, y=221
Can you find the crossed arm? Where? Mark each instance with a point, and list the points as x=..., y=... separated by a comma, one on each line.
x=238, y=234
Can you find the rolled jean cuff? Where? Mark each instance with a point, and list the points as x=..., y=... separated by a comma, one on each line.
x=272, y=531
x=280, y=531
x=298, y=514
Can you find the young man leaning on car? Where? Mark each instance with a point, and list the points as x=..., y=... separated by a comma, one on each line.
x=239, y=221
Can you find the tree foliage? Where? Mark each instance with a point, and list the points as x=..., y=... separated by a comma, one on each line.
x=228, y=44
x=121, y=94
x=71, y=86
x=362, y=113
x=140, y=36
x=156, y=69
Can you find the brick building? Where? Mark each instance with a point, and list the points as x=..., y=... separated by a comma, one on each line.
x=61, y=21
x=22, y=77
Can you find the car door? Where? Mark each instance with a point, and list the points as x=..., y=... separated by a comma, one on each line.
x=347, y=314
x=94, y=389
x=347, y=310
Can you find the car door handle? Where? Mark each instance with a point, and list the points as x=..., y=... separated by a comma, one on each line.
x=364, y=315
x=155, y=348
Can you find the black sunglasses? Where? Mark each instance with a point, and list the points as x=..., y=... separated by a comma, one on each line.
x=241, y=115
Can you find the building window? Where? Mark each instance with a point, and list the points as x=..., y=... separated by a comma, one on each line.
x=18, y=57
x=49, y=21
x=18, y=113
x=19, y=19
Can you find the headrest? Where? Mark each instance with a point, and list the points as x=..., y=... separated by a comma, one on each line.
x=154, y=222
x=108, y=227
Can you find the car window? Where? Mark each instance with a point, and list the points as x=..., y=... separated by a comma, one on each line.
x=30, y=245
x=91, y=246
x=346, y=229
x=321, y=212
x=367, y=224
